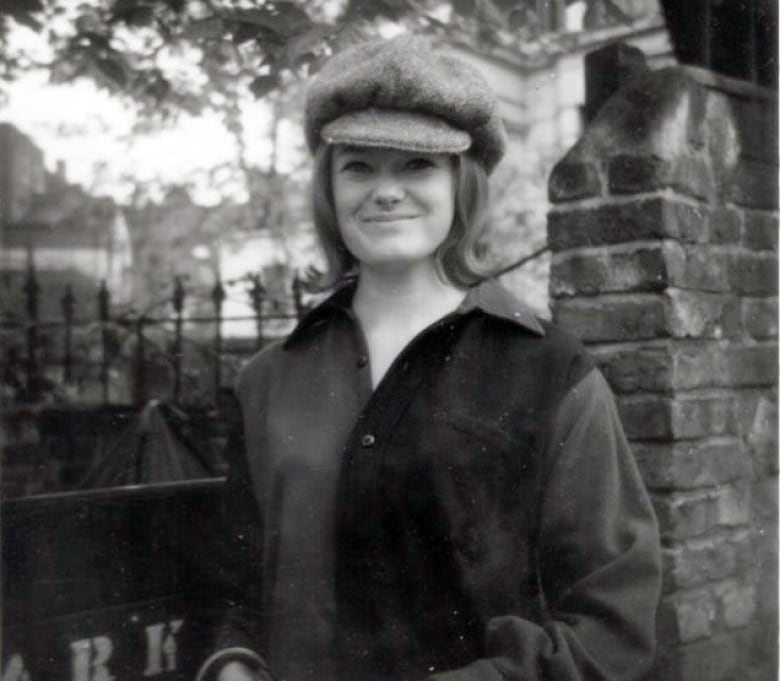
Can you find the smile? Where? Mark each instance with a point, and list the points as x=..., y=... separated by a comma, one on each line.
x=393, y=217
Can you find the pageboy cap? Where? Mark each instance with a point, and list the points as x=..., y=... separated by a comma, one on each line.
x=403, y=94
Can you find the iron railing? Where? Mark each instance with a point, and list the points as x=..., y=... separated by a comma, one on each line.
x=27, y=371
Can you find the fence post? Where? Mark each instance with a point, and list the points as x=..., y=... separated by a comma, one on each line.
x=31, y=291
x=139, y=385
x=178, y=307
x=218, y=296
x=258, y=293
x=104, y=300
x=68, y=304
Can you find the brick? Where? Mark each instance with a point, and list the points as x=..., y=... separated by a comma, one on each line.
x=637, y=368
x=695, y=416
x=687, y=365
x=644, y=219
x=759, y=232
x=640, y=267
x=736, y=602
x=719, y=365
x=571, y=180
x=634, y=317
x=634, y=174
x=757, y=416
x=685, y=173
x=683, y=515
x=754, y=274
x=702, y=365
x=697, y=267
x=725, y=226
x=712, y=660
x=753, y=184
x=694, y=314
x=693, y=464
x=765, y=505
x=759, y=317
x=694, y=614
x=753, y=365
x=734, y=505
x=709, y=559
x=646, y=417
x=619, y=269
x=653, y=417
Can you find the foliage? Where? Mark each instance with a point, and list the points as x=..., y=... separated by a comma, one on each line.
x=130, y=46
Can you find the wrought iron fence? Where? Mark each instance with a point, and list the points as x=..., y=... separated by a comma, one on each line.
x=40, y=356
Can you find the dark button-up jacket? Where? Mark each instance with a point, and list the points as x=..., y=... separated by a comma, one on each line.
x=477, y=516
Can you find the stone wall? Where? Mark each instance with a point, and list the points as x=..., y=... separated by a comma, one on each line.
x=664, y=238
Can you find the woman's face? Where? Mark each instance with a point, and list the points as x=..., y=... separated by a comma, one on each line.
x=394, y=208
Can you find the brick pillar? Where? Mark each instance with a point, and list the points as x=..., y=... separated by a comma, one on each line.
x=664, y=239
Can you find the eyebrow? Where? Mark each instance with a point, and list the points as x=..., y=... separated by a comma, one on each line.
x=343, y=149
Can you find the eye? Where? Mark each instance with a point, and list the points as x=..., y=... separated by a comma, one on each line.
x=355, y=166
x=420, y=163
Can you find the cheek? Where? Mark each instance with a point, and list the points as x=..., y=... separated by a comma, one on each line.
x=345, y=199
x=445, y=202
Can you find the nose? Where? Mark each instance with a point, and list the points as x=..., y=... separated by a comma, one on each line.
x=387, y=195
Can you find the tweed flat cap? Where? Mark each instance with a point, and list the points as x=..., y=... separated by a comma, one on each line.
x=403, y=94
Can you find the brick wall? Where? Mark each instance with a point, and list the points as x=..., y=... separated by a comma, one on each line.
x=664, y=239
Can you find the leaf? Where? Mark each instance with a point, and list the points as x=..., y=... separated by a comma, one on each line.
x=283, y=18
x=140, y=16
x=262, y=85
x=112, y=70
x=464, y=7
x=300, y=46
x=243, y=32
x=203, y=29
x=22, y=11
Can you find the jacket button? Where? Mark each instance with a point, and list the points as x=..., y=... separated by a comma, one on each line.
x=367, y=441
x=362, y=361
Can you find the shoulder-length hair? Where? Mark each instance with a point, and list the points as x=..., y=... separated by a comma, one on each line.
x=460, y=258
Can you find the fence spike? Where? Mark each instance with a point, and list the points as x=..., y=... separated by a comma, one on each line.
x=104, y=302
x=218, y=297
x=68, y=304
x=32, y=291
x=178, y=306
x=257, y=294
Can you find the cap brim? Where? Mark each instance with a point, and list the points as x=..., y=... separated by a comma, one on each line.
x=404, y=130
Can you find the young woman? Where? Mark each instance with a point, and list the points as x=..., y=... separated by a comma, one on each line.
x=435, y=484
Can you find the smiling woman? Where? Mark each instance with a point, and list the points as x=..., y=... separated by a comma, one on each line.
x=459, y=257
x=394, y=208
x=437, y=482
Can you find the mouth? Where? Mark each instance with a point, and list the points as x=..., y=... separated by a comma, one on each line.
x=389, y=217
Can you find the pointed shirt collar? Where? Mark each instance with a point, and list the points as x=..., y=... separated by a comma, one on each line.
x=489, y=297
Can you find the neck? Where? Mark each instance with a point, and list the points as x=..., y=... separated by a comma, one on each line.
x=408, y=297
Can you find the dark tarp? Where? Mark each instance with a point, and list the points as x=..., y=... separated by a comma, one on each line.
x=161, y=444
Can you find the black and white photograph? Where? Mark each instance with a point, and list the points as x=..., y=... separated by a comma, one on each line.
x=388, y=340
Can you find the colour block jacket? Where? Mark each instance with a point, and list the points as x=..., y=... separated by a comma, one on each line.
x=478, y=516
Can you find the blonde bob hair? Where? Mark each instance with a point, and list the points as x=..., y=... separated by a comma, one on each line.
x=460, y=257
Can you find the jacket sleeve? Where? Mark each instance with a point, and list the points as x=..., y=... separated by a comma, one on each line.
x=599, y=559
x=237, y=574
